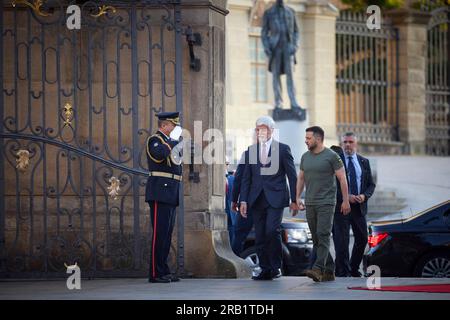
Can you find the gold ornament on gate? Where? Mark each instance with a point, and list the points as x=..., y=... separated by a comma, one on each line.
x=103, y=10
x=23, y=160
x=68, y=114
x=114, y=187
x=36, y=6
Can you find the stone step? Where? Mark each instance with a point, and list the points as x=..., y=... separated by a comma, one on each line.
x=385, y=201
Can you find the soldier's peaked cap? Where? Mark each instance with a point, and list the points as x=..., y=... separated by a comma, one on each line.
x=173, y=117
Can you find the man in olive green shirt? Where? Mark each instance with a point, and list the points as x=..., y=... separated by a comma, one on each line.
x=318, y=168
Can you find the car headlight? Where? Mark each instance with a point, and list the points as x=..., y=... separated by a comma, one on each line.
x=296, y=235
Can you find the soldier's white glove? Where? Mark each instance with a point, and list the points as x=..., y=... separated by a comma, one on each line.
x=176, y=133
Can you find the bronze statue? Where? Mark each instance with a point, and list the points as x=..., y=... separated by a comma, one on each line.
x=279, y=36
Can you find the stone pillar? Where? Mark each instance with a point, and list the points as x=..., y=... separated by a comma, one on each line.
x=412, y=28
x=207, y=247
x=318, y=65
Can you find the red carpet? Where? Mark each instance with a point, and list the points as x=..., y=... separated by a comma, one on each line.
x=430, y=288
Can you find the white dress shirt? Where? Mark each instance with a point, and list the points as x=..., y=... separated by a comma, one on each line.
x=268, y=144
x=357, y=169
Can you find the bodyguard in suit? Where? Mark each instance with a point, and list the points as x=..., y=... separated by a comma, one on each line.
x=361, y=188
x=231, y=213
x=265, y=193
x=242, y=226
x=280, y=39
x=162, y=191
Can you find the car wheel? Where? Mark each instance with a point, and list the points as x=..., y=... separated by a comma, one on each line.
x=251, y=258
x=435, y=265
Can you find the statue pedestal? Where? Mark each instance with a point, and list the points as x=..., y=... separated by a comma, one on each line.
x=291, y=130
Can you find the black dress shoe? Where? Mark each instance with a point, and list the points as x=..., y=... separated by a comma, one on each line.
x=356, y=274
x=162, y=279
x=275, y=273
x=264, y=275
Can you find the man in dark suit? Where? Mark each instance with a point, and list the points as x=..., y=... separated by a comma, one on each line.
x=231, y=213
x=361, y=188
x=242, y=226
x=265, y=193
x=162, y=192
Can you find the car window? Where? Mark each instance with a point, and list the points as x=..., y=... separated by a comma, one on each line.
x=437, y=219
x=433, y=219
x=446, y=217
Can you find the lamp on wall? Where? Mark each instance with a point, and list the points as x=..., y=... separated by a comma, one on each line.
x=193, y=39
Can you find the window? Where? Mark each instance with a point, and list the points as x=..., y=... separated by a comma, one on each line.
x=446, y=218
x=258, y=61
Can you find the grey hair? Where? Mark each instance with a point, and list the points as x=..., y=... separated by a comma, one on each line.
x=267, y=121
x=349, y=134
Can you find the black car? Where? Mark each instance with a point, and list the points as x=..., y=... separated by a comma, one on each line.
x=415, y=247
x=296, y=248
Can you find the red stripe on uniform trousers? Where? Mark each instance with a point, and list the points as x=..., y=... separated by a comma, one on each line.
x=154, y=239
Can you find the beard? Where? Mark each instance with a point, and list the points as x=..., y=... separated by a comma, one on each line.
x=312, y=146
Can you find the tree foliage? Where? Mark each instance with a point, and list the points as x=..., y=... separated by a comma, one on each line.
x=426, y=5
x=360, y=5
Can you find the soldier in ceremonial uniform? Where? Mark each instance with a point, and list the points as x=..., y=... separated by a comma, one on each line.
x=162, y=191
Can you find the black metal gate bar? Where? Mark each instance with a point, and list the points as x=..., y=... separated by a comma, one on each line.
x=82, y=165
x=438, y=83
x=179, y=105
x=366, y=79
x=135, y=113
x=2, y=166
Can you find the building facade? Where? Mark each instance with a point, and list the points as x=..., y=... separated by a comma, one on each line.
x=389, y=85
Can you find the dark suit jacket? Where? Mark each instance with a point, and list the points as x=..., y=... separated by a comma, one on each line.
x=273, y=185
x=367, y=184
x=238, y=177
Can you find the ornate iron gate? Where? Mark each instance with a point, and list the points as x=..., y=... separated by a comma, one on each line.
x=76, y=107
x=366, y=79
x=438, y=83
